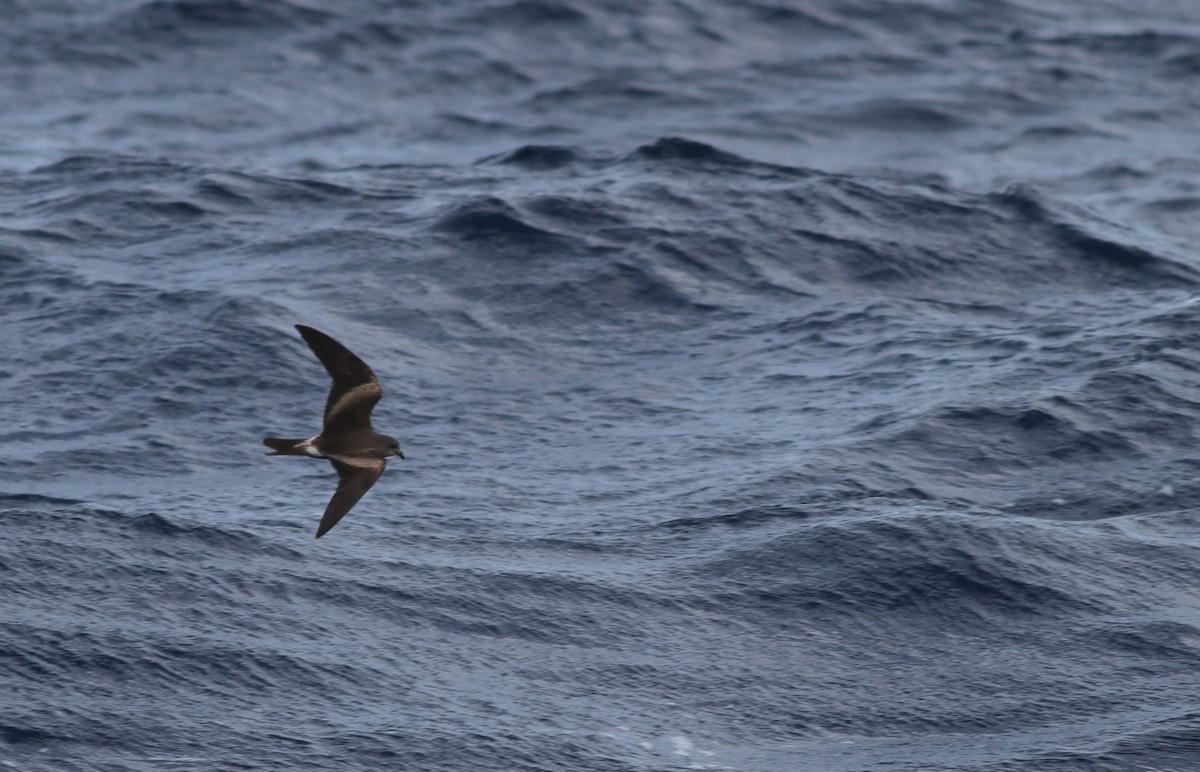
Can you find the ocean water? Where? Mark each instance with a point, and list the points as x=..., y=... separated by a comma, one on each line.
x=784, y=385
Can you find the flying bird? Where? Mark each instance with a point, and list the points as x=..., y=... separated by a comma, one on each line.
x=356, y=450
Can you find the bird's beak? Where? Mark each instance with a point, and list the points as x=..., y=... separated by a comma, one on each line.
x=400, y=454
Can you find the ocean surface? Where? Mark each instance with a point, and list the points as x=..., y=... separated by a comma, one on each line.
x=785, y=386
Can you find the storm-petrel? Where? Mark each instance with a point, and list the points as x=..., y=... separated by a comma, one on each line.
x=357, y=451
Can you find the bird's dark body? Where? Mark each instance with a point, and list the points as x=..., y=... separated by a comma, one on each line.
x=348, y=441
x=363, y=441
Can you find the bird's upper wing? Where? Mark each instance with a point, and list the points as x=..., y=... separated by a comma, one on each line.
x=355, y=390
x=354, y=479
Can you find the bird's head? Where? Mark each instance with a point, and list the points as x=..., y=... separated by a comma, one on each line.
x=393, y=448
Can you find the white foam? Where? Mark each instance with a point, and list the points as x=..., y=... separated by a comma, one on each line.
x=683, y=746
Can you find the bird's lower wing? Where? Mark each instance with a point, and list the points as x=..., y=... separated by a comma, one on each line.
x=354, y=480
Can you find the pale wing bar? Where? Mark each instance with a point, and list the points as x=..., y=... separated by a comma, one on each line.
x=354, y=407
x=355, y=390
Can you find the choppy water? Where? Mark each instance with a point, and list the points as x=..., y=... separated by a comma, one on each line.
x=785, y=386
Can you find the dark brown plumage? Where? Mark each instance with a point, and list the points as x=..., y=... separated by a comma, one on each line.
x=356, y=450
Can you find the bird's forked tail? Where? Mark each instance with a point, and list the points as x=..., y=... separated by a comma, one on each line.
x=285, y=447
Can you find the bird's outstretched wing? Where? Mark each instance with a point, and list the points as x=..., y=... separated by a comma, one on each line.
x=353, y=481
x=355, y=390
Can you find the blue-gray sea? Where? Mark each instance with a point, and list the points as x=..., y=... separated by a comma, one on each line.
x=785, y=385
